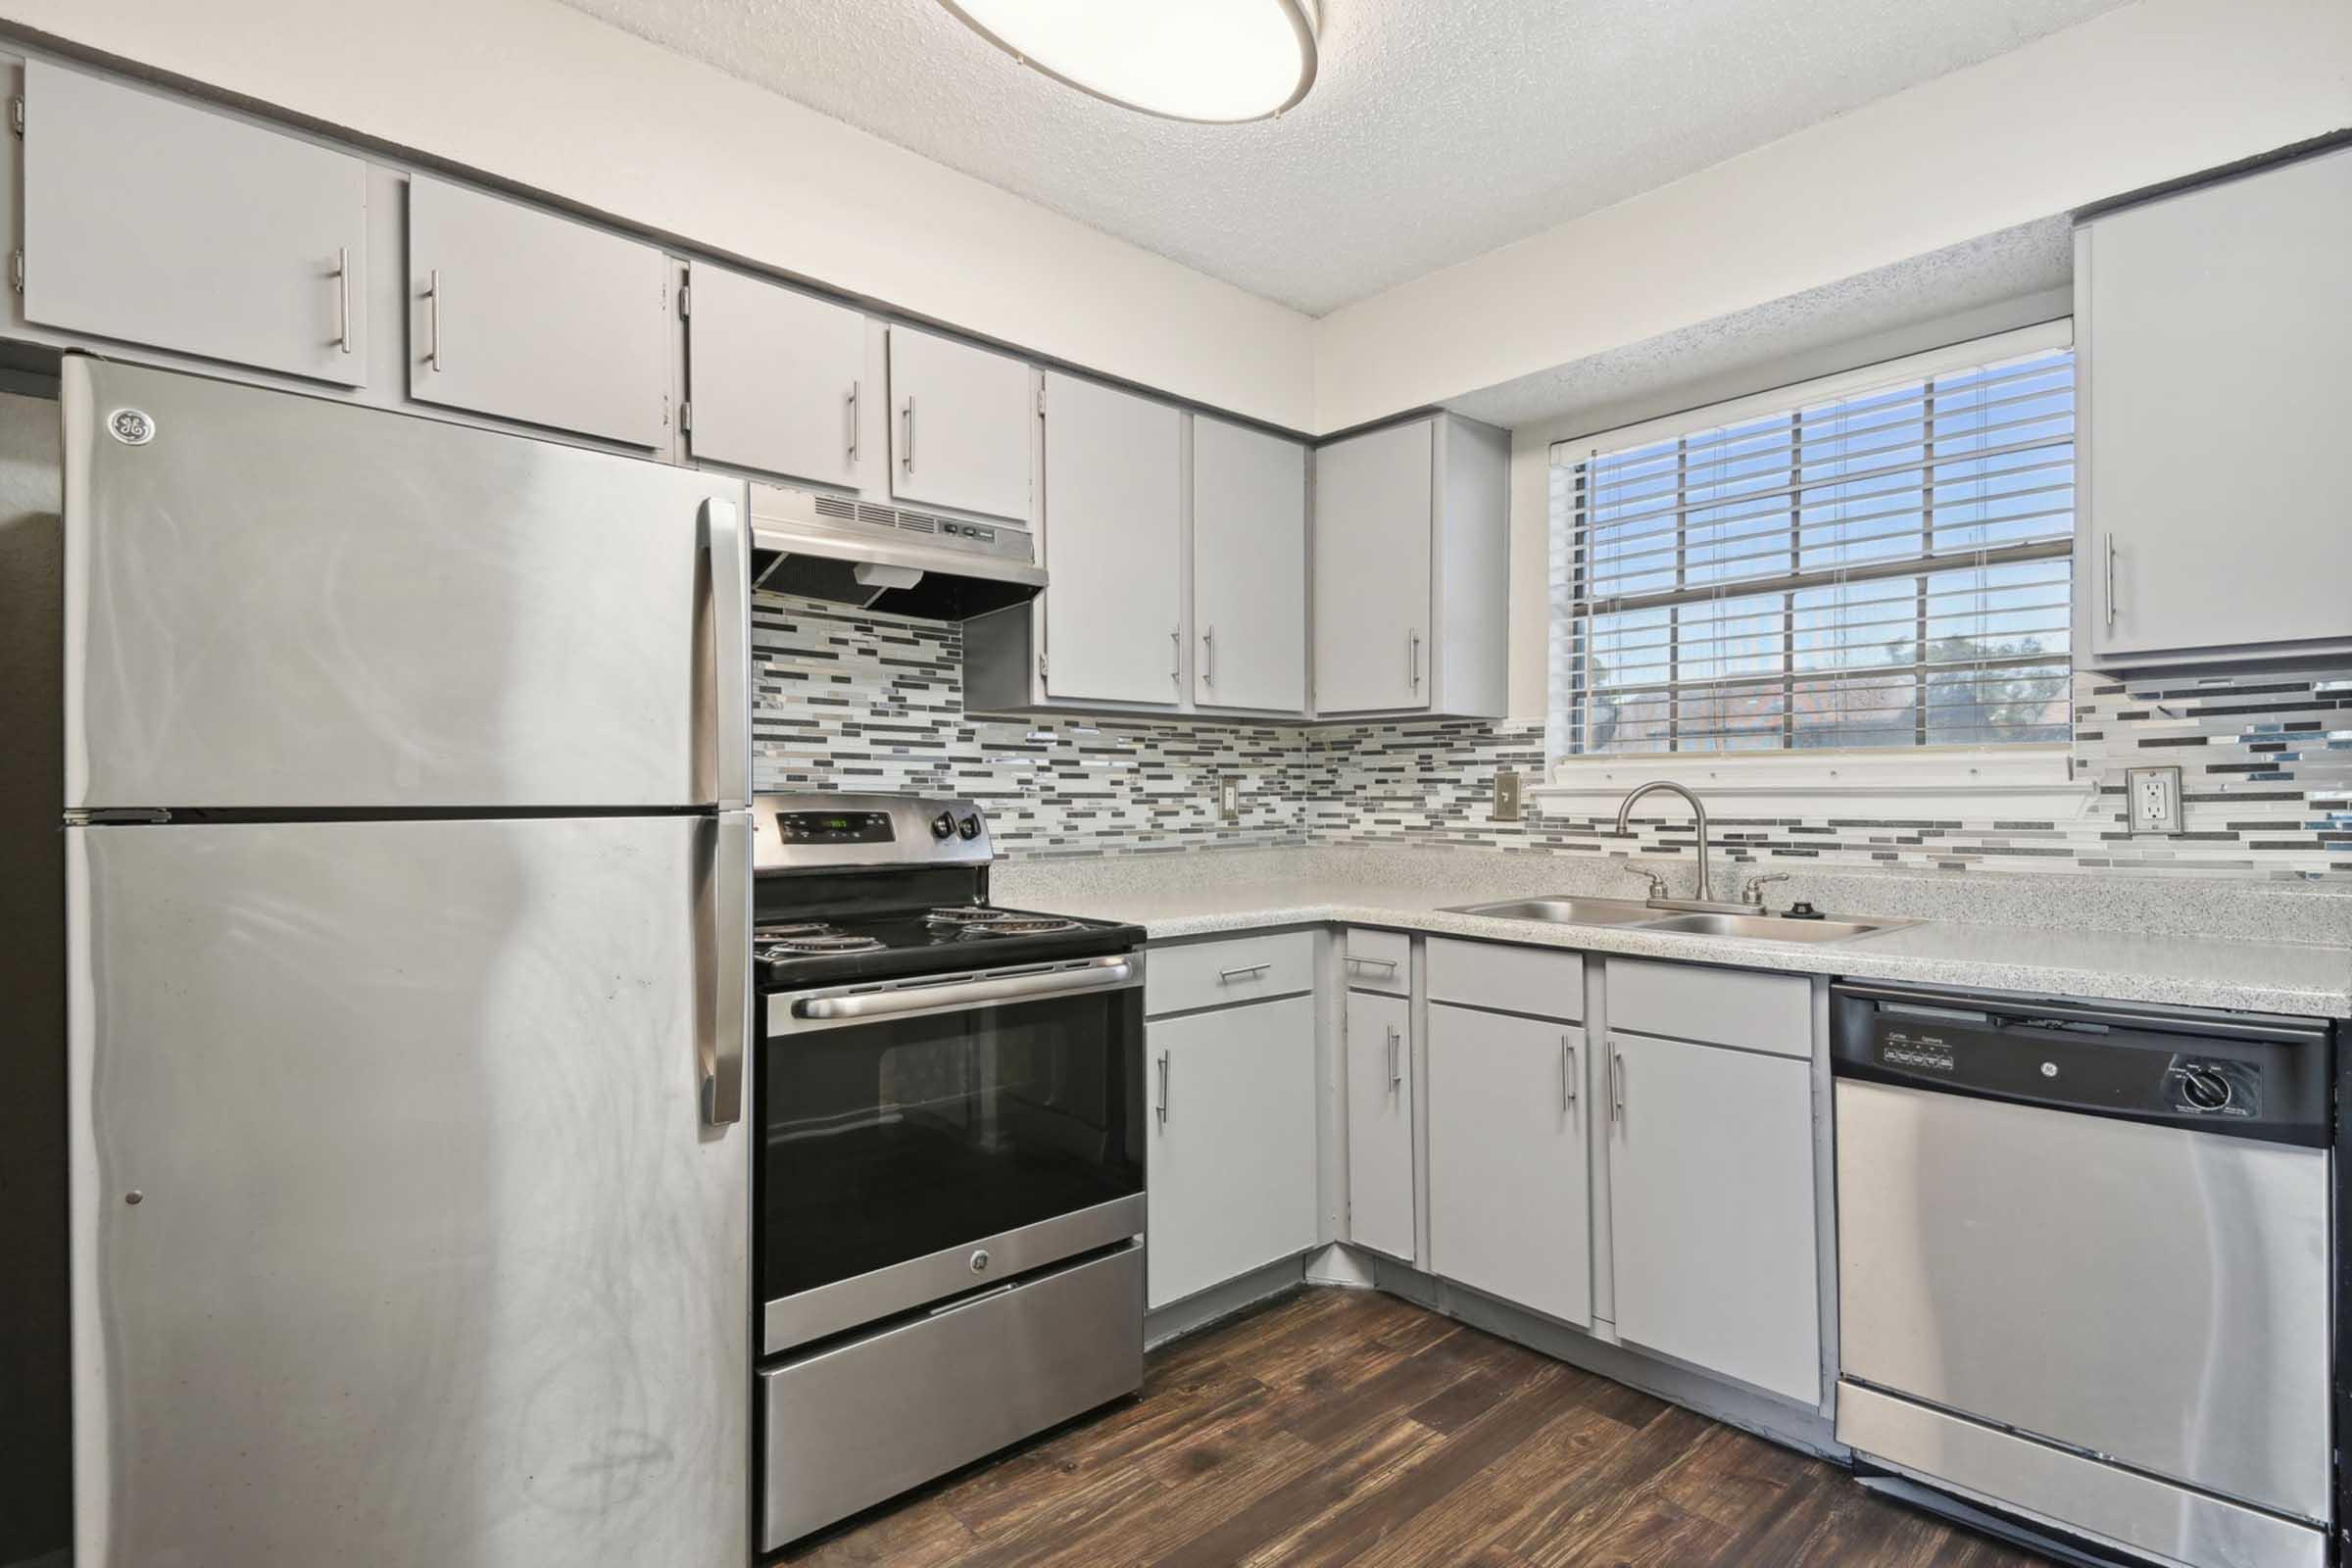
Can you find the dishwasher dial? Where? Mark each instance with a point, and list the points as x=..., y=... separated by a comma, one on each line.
x=2204, y=1089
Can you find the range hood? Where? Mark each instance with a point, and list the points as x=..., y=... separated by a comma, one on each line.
x=894, y=559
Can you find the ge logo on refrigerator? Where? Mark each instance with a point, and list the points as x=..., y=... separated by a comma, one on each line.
x=131, y=427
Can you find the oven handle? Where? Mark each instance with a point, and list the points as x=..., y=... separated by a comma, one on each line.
x=1102, y=975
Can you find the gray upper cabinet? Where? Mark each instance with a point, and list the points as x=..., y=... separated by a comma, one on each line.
x=2213, y=328
x=154, y=222
x=1248, y=568
x=1113, y=519
x=959, y=425
x=525, y=316
x=777, y=379
x=1411, y=556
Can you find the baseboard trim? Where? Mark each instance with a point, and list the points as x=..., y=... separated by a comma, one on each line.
x=1220, y=1301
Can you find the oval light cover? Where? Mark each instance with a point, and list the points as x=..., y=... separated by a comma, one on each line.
x=1217, y=61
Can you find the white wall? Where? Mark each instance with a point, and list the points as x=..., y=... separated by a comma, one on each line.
x=548, y=98
x=2135, y=96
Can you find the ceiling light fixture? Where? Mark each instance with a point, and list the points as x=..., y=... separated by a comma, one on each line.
x=1218, y=62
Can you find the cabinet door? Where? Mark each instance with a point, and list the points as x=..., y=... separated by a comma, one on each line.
x=2216, y=326
x=1114, y=502
x=1248, y=568
x=1230, y=1172
x=1380, y=1123
x=959, y=425
x=1510, y=1193
x=777, y=378
x=1372, y=570
x=154, y=222
x=521, y=315
x=1711, y=1204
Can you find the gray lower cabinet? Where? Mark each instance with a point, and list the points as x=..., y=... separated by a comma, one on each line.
x=1510, y=1193
x=152, y=221
x=777, y=379
x=1230, y=1164
x=1113, y=521
x=1380, y=1123
x=1711, y=1206
x=2213, y=328
x=522, y=314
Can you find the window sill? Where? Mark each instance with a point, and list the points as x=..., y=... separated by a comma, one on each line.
x=2013, y=783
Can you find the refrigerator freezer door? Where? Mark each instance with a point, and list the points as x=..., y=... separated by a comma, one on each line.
x=286, y=603
x=400, y=1236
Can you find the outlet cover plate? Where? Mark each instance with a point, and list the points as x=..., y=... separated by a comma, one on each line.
x=2152, y=802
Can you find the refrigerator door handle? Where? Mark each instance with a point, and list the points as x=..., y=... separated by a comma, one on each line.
x=730, y=970
x=728, y=547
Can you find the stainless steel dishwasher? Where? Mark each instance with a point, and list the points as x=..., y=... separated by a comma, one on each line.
x=2084, y=1270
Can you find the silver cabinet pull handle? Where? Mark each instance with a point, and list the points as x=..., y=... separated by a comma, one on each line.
x=2109, y=597
x=1389, y=964
x=1567, y=1072
x=342, y=276
x=907, y=432
x=1208, y=658
x=1163, y=1107
x=1176, y=654
x=1412, y=658
x=432, y=293
x=731, y=934
x=1616, y=1085
x=855, y=388
x=1396, y=1073
x=1248, y=971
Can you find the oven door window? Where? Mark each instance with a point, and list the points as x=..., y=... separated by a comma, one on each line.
x=892, y=1140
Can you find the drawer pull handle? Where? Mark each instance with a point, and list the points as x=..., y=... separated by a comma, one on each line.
x=1248, y=971
x=1389, y=964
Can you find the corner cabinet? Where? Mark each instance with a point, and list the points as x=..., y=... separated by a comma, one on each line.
x=1380, y=1123
x=1248, y=568
x=1411, y=561
x=525, y=316
x=2213, y=328
x=151, y=222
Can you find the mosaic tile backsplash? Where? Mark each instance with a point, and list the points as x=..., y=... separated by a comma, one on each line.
x=844, y=700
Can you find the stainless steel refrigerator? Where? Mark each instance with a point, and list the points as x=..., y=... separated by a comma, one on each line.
x=406, y=933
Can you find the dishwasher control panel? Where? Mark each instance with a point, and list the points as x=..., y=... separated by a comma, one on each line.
x=2240, y=1075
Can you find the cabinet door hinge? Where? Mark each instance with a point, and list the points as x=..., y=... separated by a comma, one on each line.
x=685, y=302
x=15, y=270
x=1041, y=399
x=686, y=417
x=16, y=114
x=1041, y=666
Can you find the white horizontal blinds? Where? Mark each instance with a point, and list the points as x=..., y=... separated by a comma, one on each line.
x=1889, y=567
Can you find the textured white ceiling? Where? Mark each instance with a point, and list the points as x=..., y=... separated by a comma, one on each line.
x=1437, y=129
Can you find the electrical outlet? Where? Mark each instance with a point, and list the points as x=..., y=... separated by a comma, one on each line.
x=1228, y=799
x=2152, y=800
x=1506, y=796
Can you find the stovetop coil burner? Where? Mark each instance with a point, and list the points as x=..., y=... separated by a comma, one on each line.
x=1020, y=925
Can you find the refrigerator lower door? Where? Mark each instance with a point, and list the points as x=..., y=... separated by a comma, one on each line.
x=400, y=1233
x=278, y=602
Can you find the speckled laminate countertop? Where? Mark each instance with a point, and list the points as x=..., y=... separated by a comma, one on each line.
x=2278, y=978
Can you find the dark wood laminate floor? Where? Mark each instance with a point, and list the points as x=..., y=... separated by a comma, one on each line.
x=1344, y=1427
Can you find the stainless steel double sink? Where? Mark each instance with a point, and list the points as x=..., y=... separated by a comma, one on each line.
x=1628, y=913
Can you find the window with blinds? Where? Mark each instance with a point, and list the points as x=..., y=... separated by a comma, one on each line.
x=1883, y=569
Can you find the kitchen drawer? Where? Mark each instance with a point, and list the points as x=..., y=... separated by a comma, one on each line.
x=1721, y=1007
x=848, y=1427
x=1542, y=982
x=1211, y=974
x=1380, y=960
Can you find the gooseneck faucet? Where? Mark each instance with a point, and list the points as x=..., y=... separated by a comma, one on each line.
x=1698, y=809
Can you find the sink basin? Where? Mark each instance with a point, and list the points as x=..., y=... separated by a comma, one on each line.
x=1765, y=927
x=1565, y=912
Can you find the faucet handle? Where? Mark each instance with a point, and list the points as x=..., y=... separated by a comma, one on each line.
x=1755, y=887
x=1657, y=883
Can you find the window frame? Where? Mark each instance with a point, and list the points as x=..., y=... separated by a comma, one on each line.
x=2038, y=773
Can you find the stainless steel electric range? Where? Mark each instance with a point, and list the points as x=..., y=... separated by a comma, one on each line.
x=950, y=1190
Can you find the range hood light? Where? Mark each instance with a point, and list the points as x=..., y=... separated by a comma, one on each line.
x=1216, y=61
x=876, y=576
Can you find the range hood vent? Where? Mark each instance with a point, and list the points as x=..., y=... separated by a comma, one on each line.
x=894, y=559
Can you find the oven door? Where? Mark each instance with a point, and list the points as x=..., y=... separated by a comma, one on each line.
x=924, y=1138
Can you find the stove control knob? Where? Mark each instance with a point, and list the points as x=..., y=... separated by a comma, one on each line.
x=2204, y=1089
x=970, y=827
x=943, y=825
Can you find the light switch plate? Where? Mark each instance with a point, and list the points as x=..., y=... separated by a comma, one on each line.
x=2152, y=802
x=1228, y=799
x=1507, y=795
